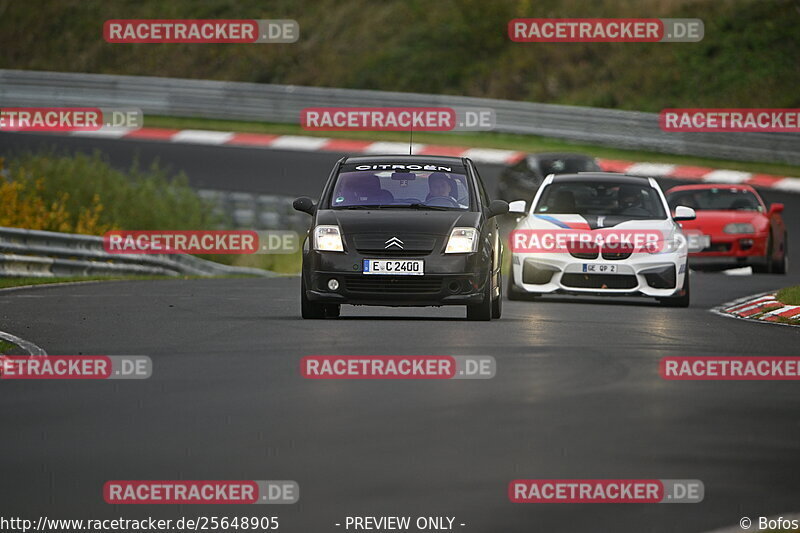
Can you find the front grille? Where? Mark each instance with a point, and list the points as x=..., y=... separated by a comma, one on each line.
x=583, y=255
x=718, y=247
x=582, y=250
x=392, y=252
x=411, y=244
x=599, y=281
x=616, y=256
x=394, y=284
x=610, y=254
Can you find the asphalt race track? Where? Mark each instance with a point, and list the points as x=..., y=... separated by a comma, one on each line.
x=577, y=393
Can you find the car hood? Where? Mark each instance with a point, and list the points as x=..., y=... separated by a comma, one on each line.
x=592, y=222
x=398, y=221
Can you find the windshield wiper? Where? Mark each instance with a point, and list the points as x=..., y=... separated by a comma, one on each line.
x=426, y=206
x=397, y=206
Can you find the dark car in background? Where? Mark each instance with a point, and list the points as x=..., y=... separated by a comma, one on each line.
x=521, y=180
x=400, y=230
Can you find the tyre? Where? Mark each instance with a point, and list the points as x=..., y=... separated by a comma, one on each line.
x=781, y=265
x=512, y=293
x=768, y=265
x=483, y=310
x=515, y=294
x=682, y=298
x=309, y=309
x=497, y=303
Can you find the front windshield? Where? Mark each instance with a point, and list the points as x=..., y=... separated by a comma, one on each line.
x=715, y=199
x=628, y=200
x=419, y=189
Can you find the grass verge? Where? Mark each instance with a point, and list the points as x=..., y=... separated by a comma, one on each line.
x=6, y=348
x=503, y=141
x=789, y=295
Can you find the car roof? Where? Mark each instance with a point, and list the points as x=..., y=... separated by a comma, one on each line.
x=705, y=186
x=396, y=158
x=609, y=177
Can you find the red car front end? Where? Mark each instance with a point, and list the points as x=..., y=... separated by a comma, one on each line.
x=733, y=228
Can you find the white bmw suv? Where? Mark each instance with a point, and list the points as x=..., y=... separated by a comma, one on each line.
x=600, y=234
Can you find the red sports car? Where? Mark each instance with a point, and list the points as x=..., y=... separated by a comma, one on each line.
x=733, y=228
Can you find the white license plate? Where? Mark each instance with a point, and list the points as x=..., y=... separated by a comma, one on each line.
x=697, y=243
x=597, y=268
x=397, y=267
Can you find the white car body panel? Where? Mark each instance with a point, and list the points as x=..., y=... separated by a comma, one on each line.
x=561, y=263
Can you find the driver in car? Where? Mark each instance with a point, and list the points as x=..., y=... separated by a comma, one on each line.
x=629, y=200
x=439, y=187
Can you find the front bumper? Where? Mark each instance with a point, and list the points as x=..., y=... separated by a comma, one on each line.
x=732, y=251
x=656, y=275
x=456, y=279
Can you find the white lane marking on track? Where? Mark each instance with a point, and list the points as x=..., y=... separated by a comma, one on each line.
x=727, y=176
x=29, y=347
x=392, y=148
x=298, y=142
x=744, y=271
x=783, y=309
x=650, y=169
x=202, y=137
x=489, y=155
x=787, y=184
x=112, y=133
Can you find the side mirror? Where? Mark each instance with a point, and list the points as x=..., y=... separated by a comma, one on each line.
x=684, y=213
x=776, y=208
x=497, y=207
x=517, y=207
x=304, y=204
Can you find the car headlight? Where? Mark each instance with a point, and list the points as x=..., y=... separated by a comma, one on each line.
x=328, y=239
x=462, y=241
x=667, y=246
x=739, y=227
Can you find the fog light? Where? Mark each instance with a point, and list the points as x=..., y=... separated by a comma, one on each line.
x=333, y=284
x=745, y=244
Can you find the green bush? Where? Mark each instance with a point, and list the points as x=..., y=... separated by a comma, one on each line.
x=80, y=187
x=138, y=199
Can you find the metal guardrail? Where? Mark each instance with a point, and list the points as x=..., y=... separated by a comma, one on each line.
x=33, y=253
x=283, y=103
x=256, y=211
